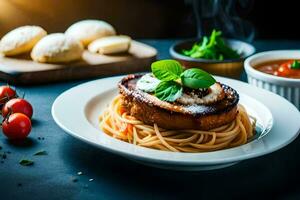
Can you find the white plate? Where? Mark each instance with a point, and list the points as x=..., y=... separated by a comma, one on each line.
x=77, y=110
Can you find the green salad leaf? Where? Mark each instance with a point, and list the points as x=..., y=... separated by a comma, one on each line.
x=213, y=48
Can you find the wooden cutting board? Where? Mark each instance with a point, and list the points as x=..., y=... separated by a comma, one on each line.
x=22, y=70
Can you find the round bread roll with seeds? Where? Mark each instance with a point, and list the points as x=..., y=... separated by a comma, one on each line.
x=57, y=48
x=110, y=45
x=87, y=31
x=21, y=40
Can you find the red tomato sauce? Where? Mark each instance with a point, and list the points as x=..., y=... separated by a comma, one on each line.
x=279, y=68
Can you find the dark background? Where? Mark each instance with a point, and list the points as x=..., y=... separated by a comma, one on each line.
x=275, y=19
x=152, y=18
x=270, y=19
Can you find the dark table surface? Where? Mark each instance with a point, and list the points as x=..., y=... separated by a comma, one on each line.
x=54, y=176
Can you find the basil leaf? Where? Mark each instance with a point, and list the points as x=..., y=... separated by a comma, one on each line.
x=196, y=78
x=166, y=70
x=168, y=91
x=41, y=153
x=295, y=65
x=26, y=162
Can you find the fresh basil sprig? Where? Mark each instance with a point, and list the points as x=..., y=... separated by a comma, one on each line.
x=173, y=78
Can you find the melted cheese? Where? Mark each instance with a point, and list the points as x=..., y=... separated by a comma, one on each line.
x=148, y=83
x=216, y=93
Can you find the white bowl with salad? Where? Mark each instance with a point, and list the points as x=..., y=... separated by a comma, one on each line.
x=214, y=54
x=277, y=71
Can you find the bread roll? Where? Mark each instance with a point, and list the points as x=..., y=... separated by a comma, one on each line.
x=110, y=45
x=87, y=31
x=21, y=40
x=57, y=48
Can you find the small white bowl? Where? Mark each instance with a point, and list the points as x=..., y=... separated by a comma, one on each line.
x=286, y=87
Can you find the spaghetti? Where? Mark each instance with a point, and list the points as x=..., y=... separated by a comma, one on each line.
x=117, y=123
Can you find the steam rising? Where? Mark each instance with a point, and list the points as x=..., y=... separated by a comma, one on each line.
x=222, y=15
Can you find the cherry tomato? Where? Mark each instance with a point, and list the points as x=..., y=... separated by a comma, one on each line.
x=17, y=126
x=17, y=105
x=6, y=93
